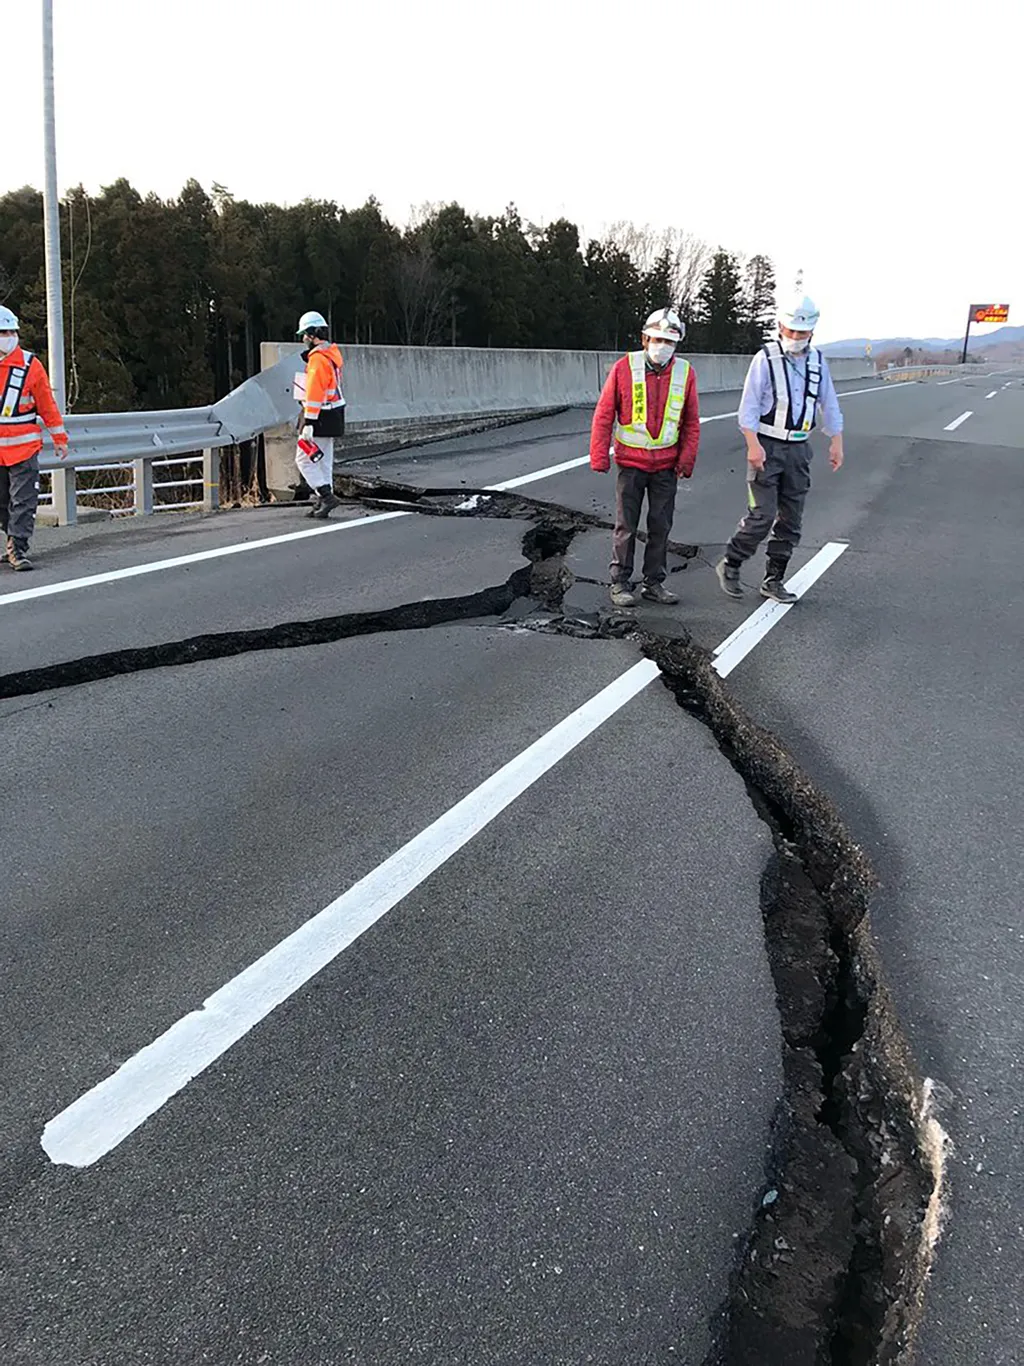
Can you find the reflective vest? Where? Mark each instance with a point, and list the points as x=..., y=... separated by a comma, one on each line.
x=780, y=421
x=635, y=433
x=25, y=397
x=318, y=387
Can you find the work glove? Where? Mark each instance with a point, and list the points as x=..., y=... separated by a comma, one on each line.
x=307, y=432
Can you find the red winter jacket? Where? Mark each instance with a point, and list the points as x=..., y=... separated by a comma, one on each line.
x=616, y=404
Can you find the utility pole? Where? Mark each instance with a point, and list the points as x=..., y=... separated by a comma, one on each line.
x=51, y=219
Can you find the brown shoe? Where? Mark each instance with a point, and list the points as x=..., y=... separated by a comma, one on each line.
x=18, y=558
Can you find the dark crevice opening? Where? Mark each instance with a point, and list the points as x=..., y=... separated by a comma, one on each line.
x=833, y=1270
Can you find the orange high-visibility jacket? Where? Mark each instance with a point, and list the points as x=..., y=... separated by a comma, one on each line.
x=323, y=380
x=25, y=397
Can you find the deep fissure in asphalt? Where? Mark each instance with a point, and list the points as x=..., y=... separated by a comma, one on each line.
x=833, y=1269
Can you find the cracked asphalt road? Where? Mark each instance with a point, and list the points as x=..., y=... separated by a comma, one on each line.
x=524, y=1116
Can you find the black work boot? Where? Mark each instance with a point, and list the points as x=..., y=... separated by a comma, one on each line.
x=328, y=501
x=729, y=578
x=773, y=587
x=17, y=555
x=657, y=592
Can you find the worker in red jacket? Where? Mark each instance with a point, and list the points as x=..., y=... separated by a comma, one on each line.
x=649, y=407
x=25, y=399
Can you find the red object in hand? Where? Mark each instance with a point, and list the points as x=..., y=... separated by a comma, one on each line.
x=310, y=449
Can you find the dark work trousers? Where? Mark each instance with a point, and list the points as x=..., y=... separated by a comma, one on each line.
x=630, y=487
x=775, y=498
x=19, y=498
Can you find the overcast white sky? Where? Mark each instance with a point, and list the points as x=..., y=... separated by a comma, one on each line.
x=878, y=146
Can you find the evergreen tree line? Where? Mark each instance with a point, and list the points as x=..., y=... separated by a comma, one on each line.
x=167, y=301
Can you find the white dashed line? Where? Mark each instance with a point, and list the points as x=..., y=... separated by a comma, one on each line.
x=952, y=426
x=737, y=646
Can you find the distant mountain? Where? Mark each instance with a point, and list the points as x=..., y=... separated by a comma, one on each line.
x=854, y=346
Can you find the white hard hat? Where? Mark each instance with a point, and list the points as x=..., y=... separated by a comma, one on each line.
x=8, y=320
x=310, y=320
x=666, y=324
x=799, y=314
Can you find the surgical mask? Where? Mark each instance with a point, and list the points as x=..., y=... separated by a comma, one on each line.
x=8, y=344
x=793, y=345
x=660, y=352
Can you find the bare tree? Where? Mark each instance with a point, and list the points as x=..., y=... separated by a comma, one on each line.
x=423, y=292
x=687, y=255
x=692, y=256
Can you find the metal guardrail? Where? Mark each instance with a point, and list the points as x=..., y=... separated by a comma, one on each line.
x=141, y=440
x=137, y=488
x=135, y=441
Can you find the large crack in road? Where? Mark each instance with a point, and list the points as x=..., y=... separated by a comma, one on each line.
x=834, y=1266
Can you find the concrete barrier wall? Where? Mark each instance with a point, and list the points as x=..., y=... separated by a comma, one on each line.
x=389, y=388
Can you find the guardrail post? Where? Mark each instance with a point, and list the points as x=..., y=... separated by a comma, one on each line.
x=143, y=487
x=65, y=494
x=211, y=480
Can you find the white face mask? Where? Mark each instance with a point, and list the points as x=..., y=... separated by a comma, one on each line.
x=660, y=352
x=8, y=344
x=793, y=345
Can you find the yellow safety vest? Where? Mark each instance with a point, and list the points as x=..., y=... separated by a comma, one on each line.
x=635, y=433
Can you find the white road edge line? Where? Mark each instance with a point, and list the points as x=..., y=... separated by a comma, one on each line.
x=992, y=394
x=95, y=1123
x=952, y=426
x=941, y=382
x=179, y=561
x=522, y=479
x=197, y=557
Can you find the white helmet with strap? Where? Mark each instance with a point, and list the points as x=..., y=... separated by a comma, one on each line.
x=309, y=321
x=666, y=324
x=799, y=314
x=8, y=321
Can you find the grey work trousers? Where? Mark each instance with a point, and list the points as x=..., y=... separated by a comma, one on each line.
x=775, y=498
x=19, y=497
x=630, y=487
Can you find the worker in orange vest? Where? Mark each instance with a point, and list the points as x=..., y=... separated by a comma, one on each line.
x=322, y=420
x=25, y=398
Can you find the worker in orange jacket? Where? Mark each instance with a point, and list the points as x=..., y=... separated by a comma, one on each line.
x=322, y=420
x=25, y=399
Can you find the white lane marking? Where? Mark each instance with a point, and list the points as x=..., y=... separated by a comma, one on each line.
x=875, y=389
x=574, y=464
x=105, y=1115
x=522, y=479
x=197, y=557
x=952, y=426
x=941, y=382
x=154, y=566
x=1007, y=384
x=992, y=394
x=739, y=644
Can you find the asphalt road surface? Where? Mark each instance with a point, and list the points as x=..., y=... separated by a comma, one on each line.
x=490, y=1057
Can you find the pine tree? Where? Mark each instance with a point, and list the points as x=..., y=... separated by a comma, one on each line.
x=758, y=313
x=719, y=307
